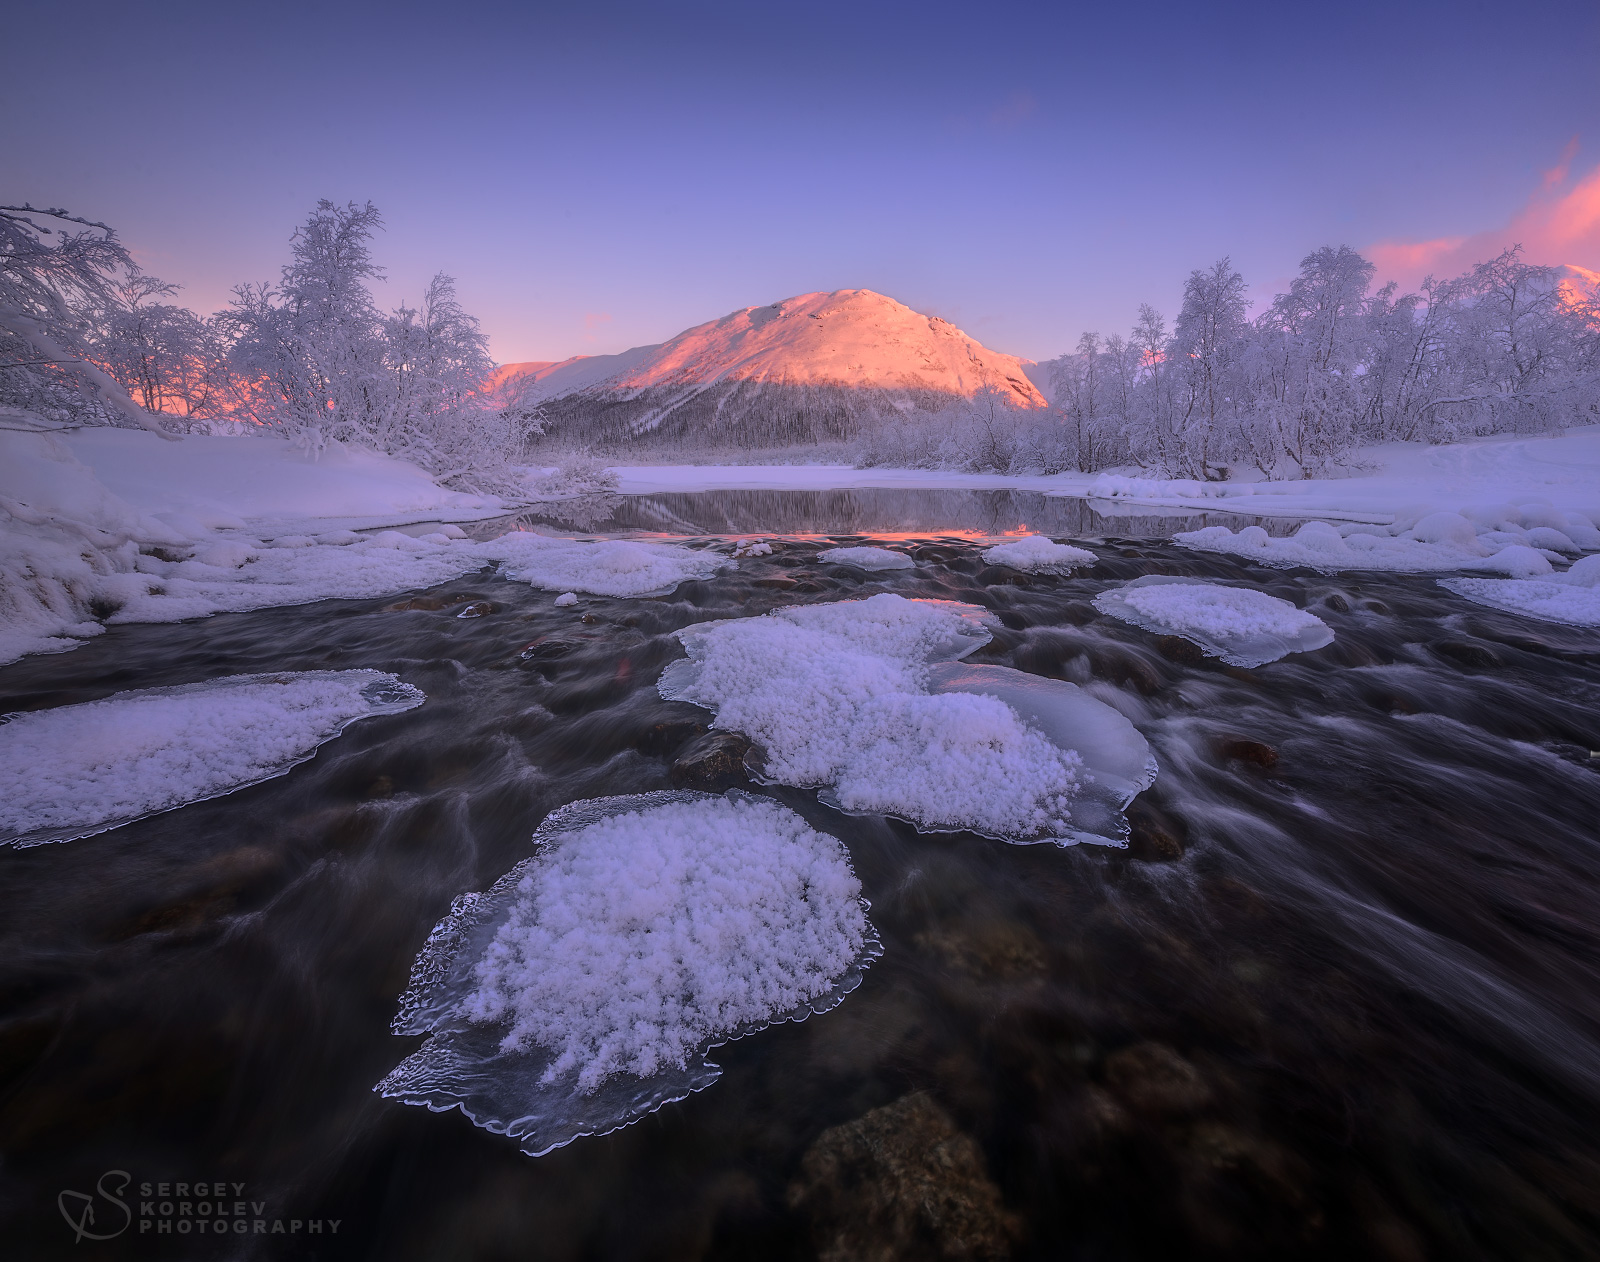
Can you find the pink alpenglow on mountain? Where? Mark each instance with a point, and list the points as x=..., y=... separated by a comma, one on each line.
x=786, y=371
x=850, y=337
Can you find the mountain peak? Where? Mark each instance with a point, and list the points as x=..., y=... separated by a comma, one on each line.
x=849, y=338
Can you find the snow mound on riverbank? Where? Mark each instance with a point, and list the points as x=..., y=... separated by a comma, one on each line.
x=614, y=567
x=1039, y=555
x=268, y=483
x=1241, y=626
x=585, y=988
x=82, y=769
x=868, y=558
x=74, y=557
x=1518, y=542
x=838, y=696
x=1573, y=597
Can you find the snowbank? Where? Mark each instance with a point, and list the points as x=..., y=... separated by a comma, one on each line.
x=614, y=567
x=838, y=695
x=75, y=556
x=1573, y=597
x=82, y=769
x=868, y=558
x=1039, y=555
x=1516, y=541
x=1241, y=626
x=1562, y=472
x=585, y=988
x=268, y=483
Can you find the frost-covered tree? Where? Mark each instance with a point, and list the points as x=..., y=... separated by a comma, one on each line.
x=56, y=272
x=325, y=364
x=1206, y=348
x=1330, y=365
x=169, y=359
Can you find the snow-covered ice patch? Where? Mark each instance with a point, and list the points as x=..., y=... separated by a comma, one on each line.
x=868, y=558
x=566, y=600
x=613, y=567
x=1440, y=541
x=216, y=580
x=1572, y=597
x=1039, y=555
x=78, y=770
x=1242, y=626
x=752, y=548
x=585, y=989
x=1116, y=759
x=840, y=696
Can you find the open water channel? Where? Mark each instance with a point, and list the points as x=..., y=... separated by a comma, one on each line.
x=1340, y=997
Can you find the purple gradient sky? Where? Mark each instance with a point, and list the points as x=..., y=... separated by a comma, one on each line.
x=604, y=175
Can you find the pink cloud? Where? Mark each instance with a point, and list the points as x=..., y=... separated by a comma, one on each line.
x=1559, y=224
x=1015, y=110
x=592, y=320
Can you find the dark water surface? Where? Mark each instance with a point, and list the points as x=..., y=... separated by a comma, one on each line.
x=1341, y=999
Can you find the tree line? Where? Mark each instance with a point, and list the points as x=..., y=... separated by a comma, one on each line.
x=1508, y=347
x=86, y=337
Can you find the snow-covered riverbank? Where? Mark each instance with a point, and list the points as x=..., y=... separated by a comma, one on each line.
x=1397, y=478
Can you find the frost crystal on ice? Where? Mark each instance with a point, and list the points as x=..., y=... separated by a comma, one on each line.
x=585, y=988
x=842, y=696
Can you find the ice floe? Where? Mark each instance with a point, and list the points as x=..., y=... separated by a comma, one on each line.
x=1500, y=539
x=868, y=558
x=612, y=567
x=1117, y=760
x=1039, y=555
x=1240, y=625
x=584, y=990
x=1572, y=597
x=841, y=696
x=82, y=769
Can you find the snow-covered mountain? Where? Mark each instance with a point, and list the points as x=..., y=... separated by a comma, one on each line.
x=1577, y=284
x=803, y=369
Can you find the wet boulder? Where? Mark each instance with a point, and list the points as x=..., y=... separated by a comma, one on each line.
x=714, y=762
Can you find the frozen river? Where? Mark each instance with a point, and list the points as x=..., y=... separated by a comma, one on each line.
x=1339, y=998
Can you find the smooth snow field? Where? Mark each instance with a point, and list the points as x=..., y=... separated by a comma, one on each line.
x=77, y=770
x=1345, y=891
x=585, y=988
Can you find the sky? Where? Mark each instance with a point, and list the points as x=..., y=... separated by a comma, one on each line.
x=603, y=175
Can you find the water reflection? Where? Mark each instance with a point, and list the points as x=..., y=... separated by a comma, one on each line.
x=878, y=511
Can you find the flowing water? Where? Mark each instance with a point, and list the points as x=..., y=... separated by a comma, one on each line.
x=1339, y=999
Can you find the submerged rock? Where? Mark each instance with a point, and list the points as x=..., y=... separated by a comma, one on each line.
x=901, y=1182
x=1152, y=1078
x=1153, y=835
x=713, y=761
